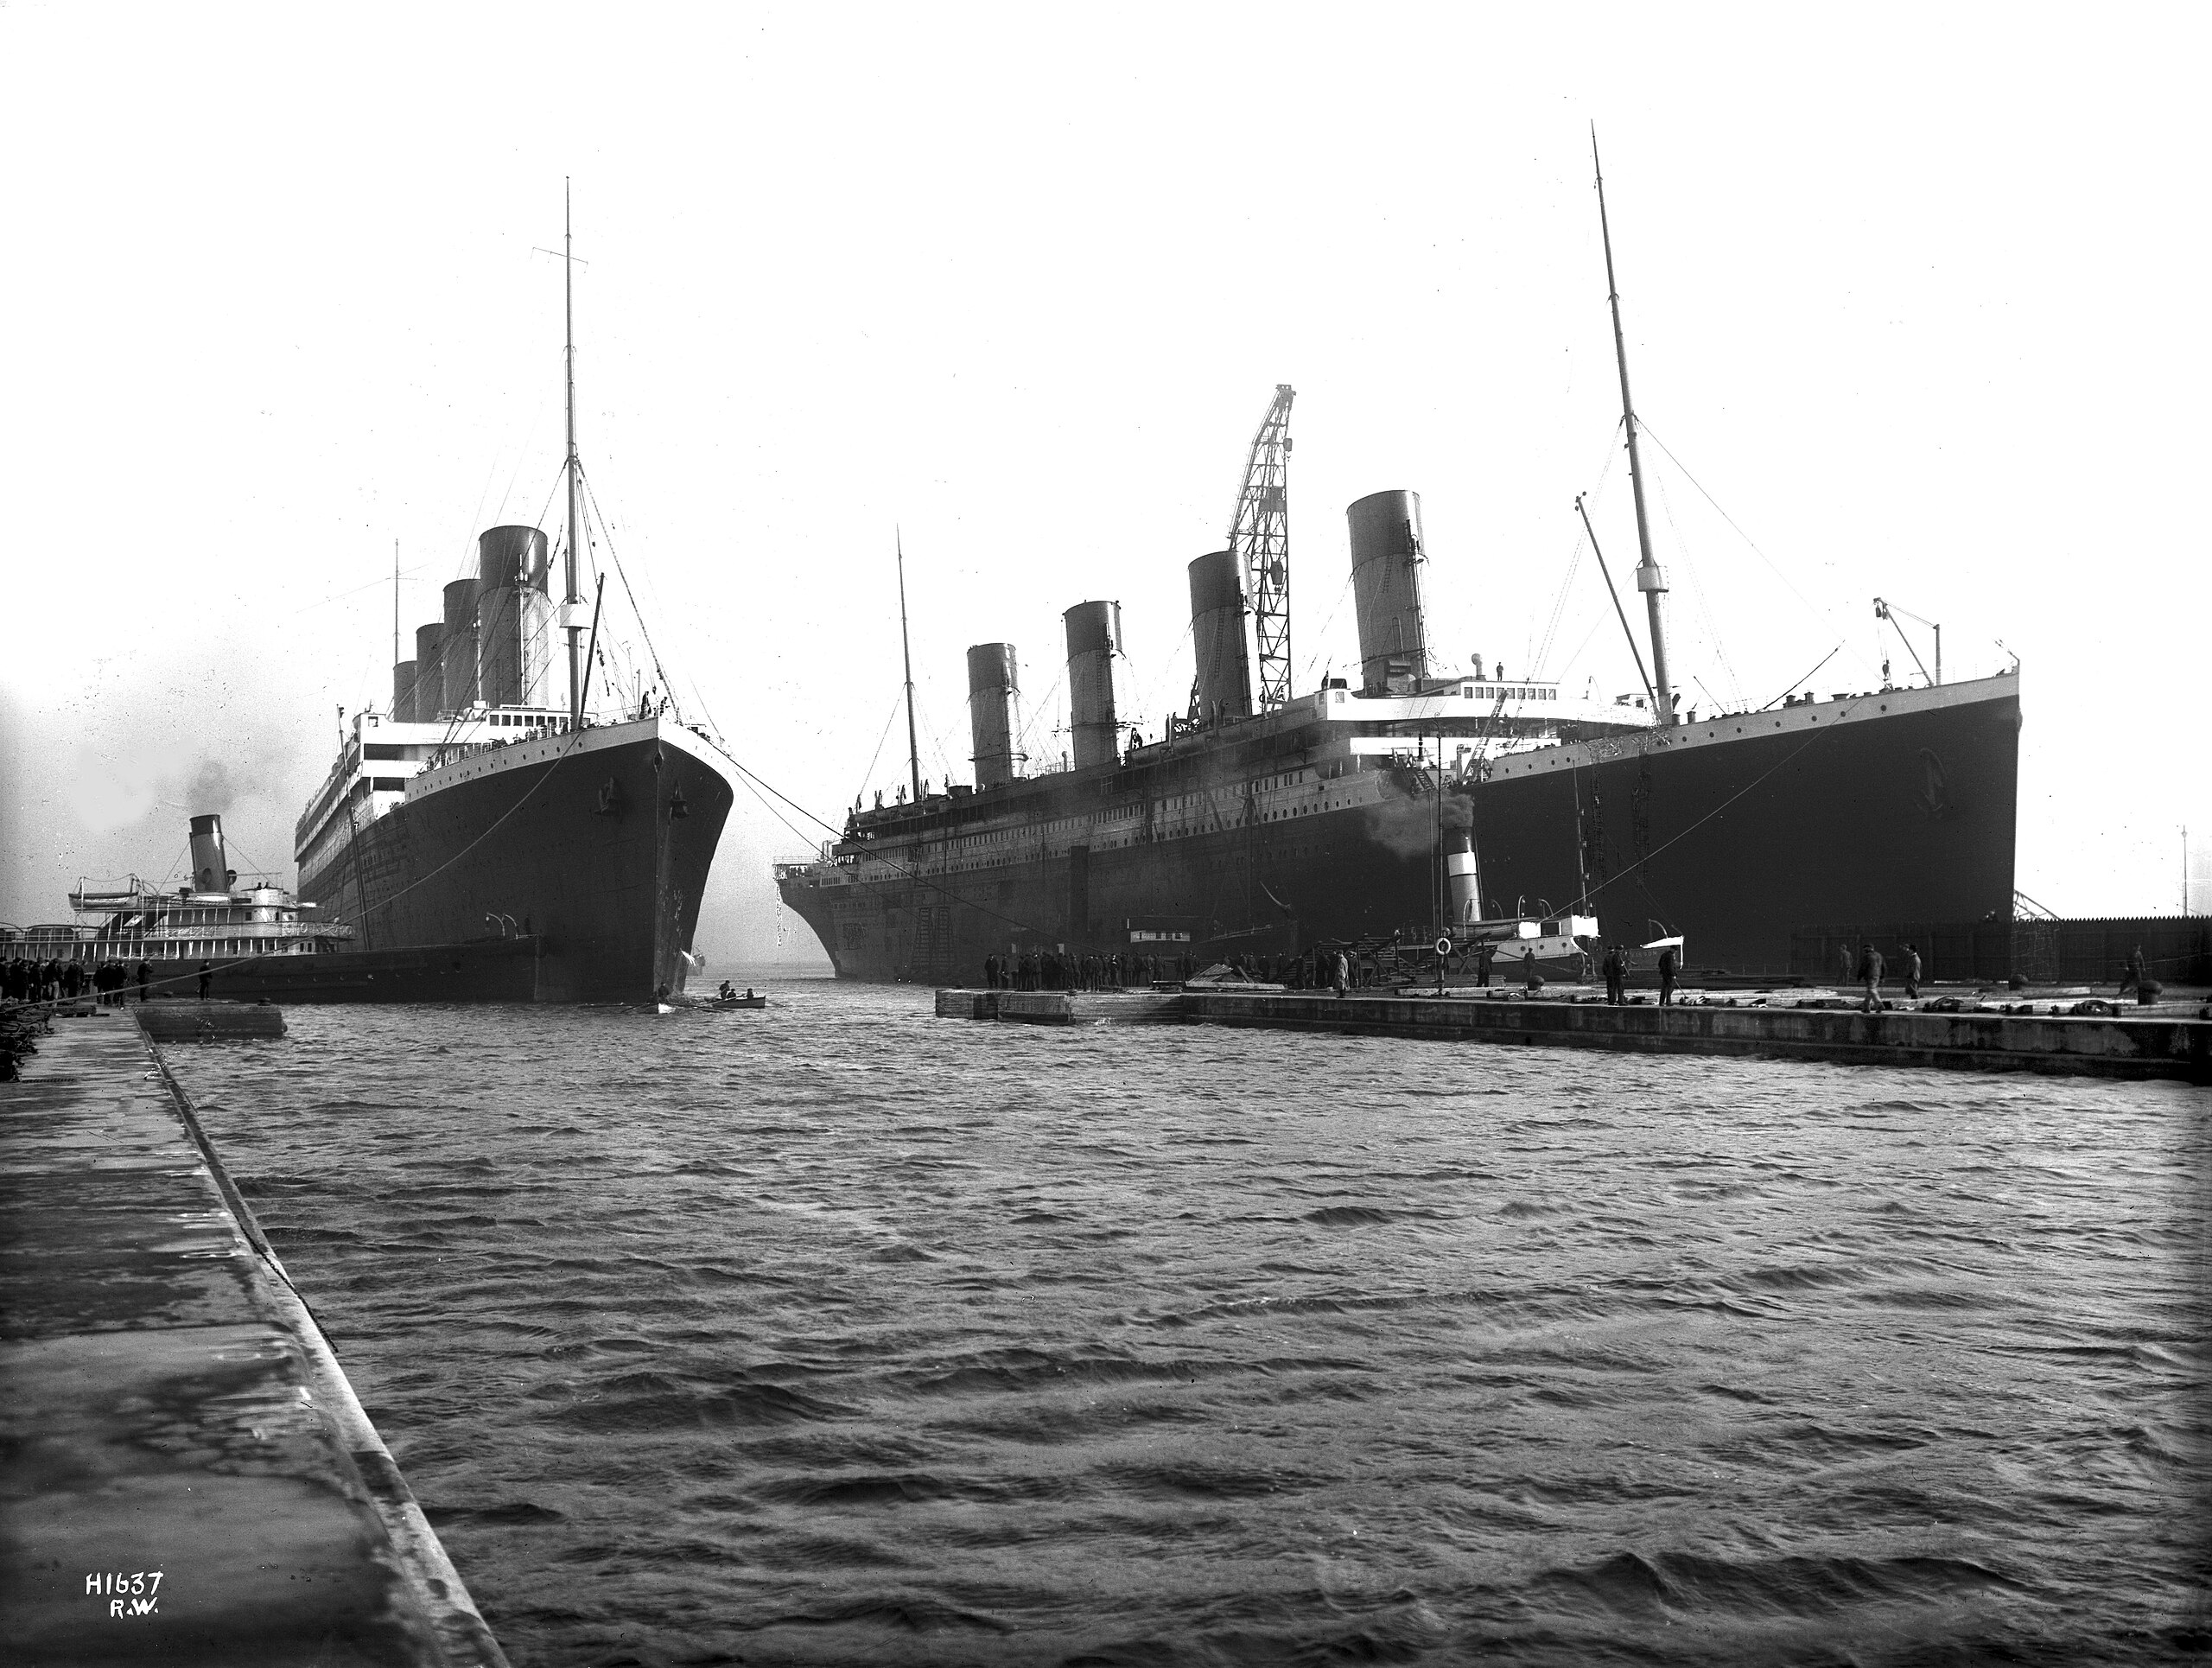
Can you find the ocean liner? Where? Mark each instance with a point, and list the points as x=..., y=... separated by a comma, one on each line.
x=1417, y=805
x=493, y=837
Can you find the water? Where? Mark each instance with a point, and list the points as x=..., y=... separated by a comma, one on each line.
x=839, y=1334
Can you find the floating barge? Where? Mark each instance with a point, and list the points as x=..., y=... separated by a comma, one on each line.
x=2163, y=1046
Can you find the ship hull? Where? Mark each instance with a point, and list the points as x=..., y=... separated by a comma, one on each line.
x=592, y=852
x=1730, y=838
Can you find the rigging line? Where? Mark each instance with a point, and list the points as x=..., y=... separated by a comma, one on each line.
x=528, y=435
x=339, y=596
x=1542, y=656
x=1314, y=659
x=907, y=870
x=1824, y=659
x=1697, y=586
x=1037, y=710
x=545, y=509
x=575, y=740
x=1824, y=614
x=869, y=775
x=638, y=614
x=1575, y=659
x=796, y=831
x=1813, y=740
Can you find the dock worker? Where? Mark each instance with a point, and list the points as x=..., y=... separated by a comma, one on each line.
x=2138, y=975
x=1339, y=970
x=145, y=973
x=1486, y=954
x=1870, y=968
x=1850, y=966
x=1616, y=965
x=1530, y=977
x=206, y=978
x=1911, y=972
x=1667, y=966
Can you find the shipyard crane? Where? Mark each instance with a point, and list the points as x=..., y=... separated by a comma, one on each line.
x=1890, y=611
x=1259, y=534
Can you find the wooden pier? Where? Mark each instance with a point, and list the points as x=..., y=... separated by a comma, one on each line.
x=191, y=1479
x=2163, y=1045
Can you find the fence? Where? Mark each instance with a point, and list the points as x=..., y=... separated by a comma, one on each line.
x=2178, y=949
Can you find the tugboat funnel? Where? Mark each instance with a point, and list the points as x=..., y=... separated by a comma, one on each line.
x=1463, y=874
x=210, y=871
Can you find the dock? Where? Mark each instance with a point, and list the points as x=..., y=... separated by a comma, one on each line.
x=2164, y=1046
x=191, y=1478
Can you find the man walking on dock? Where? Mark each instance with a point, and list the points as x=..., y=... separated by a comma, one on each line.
x=1911, y=973
x=1615, y=966
x=1870, y=968
x=207, y=976
x=1667, y=976
x=2138, y=975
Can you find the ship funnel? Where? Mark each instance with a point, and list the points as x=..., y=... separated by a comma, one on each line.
x=402, y=692
x=510, y=556
x=993, y=688
x=211, y=869
x=1094, y=632
x=458, y=661
x=515, y=636
x=430, y=672
x=1218, y=635
x=1462, y=876
x=1387, y=553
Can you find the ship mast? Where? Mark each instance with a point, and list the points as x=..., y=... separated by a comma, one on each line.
x=1649, y=579
x=914, y=748
x=572, y=600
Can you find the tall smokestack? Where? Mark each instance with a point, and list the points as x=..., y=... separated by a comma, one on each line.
x=458, y=661
x=993, y=688
x=430, y=672
x=1387, y=553
x=1463, y=874
x=514, y=638
x=210, y=871
x=1218, y=636
x=402, y=692
x=1094, y=631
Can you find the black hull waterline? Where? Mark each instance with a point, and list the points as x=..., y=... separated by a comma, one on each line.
x=1899, y=806
x=569, y=872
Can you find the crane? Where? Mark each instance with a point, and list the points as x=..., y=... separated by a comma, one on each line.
x=1258, y=533
x=1890, y=612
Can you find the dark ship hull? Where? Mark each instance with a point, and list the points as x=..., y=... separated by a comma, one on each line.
x=565, y=870
x=1899, y=805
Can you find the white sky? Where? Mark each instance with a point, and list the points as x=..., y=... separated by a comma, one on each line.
x=1916, y=297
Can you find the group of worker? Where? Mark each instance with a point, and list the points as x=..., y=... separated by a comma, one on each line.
x=54, y=980
x=1057, y=969
x=1615, y=968
x=1869, y=967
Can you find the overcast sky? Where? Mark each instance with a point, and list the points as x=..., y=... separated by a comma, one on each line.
x=1917, y=304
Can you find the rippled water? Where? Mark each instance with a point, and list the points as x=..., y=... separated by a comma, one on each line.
x=840, y=1334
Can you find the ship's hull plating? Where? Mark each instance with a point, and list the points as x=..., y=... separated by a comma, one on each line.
x=1900, y=816
x=594, y=857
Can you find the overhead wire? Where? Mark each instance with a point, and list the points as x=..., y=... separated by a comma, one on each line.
x=1824, y=615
